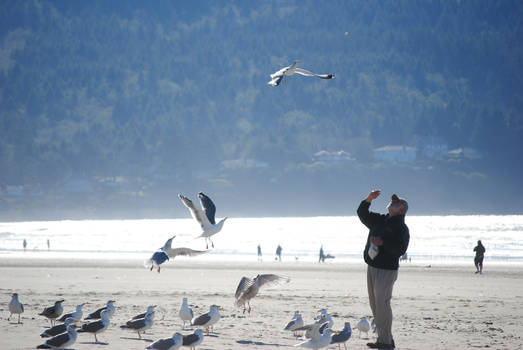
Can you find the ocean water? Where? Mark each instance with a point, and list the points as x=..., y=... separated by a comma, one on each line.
x=433, y=238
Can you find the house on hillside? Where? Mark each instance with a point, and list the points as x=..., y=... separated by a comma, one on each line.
x=332, y=157
x=395, y=154
x=465, y=153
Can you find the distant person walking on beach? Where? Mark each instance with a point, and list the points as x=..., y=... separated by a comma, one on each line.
x=478, y=259
x=259, y=253
x=25, y=244
x=322, y=255
x=278, y=252
x=387, y=241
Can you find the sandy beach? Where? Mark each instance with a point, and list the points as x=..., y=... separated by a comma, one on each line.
x=436, y=307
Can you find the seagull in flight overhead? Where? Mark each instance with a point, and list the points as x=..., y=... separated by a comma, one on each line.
x=204, y=216
x=280, y=75
x=168, y=252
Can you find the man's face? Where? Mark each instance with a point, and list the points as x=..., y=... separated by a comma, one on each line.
x=395, y=208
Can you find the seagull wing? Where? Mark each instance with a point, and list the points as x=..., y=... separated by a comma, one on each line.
x=245, y=283
x=208, y=207
x=196, y=212
x=311, y=74
x=173, y=252
x=268, y=280
x=276, y=80
x=167, y=244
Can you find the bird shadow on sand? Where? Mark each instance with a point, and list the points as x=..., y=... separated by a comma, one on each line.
x=250, y=342
x=140, y=339
x=93, y=343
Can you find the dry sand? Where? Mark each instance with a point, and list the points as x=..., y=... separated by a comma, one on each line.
x=438, y=307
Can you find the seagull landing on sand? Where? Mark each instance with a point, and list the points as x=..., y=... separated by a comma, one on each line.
x=194, y=339
x=248, y=288
x=15, y=306
x=185, y=313
x=296, y=322
x=173, y=343
x=280, y=75
x=168, y=252
x=209, y=319
x=204, y=216
x=53, y=312
x=61, y=341
x=96, y=326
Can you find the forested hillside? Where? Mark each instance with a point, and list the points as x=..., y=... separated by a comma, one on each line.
x=111, y=108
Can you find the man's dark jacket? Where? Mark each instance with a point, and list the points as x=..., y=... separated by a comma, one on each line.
x=393, y=232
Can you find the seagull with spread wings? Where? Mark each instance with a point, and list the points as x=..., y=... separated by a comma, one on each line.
x=204, y=216
x=248, y=288
x=279, y=76
x=168, y=252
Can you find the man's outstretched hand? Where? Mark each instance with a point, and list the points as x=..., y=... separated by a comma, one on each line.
x=373, y=195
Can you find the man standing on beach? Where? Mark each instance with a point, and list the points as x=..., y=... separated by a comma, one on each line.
x=478, y=259
x=387, y=241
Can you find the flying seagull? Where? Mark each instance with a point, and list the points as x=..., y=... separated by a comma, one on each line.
x=15, y=306
x=168, y=252
x=173, y=343
x=61, y=341
x=53, y=312
x=248, y=288
x=204, y=216
x=96, y=326
x=98, y=313
x=280, y=75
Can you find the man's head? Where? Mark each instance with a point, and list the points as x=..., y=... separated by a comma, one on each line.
x=397, y=206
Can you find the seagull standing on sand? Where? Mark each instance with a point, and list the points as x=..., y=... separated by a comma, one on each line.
x=209, y=319
x=58, y=329
x=295, y=323
x=325, y=317
x=363, y=326
x=248, y=288
x=61, y=341
x=185, y=313
x=194, y=339
x=15, y=306
x=96, y=326
x=150, y=310
x=279, y=76
x=173, y=343
x=53, y=312
x=140, y=325
x=168, y=252
x=319, y=342
x=312, y=331
x=342, y=336
x=98, y=313
x=77, y=315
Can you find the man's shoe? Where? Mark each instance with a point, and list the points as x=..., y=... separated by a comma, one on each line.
x=378, y=345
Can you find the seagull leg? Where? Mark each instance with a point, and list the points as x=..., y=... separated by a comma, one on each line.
x=95, y=338
x=158, y=269
x=18, y=318
x=10, y=316
x=249, y=309
x=345, y=345
x=151, y=268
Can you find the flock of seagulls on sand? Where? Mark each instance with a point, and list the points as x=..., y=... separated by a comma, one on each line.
x=316, y=335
